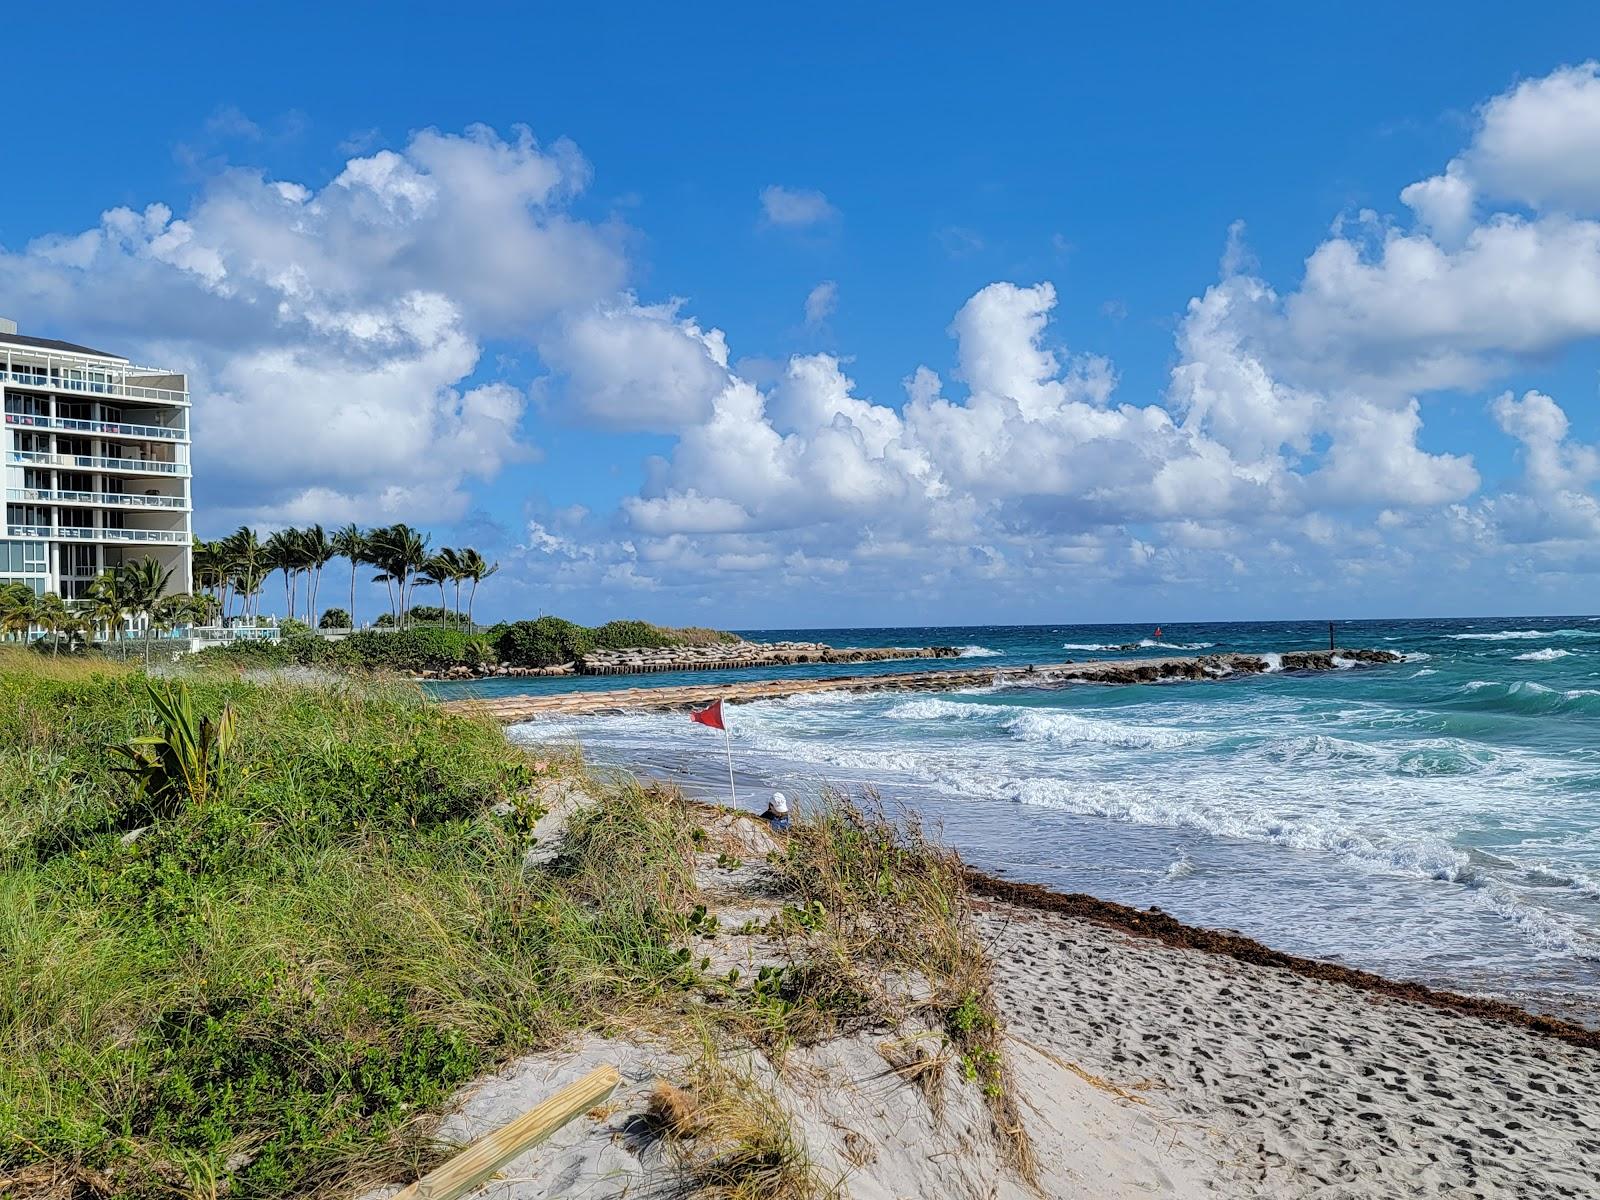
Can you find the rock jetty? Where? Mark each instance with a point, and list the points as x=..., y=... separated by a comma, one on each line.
x=718, y=657
x=511, y=709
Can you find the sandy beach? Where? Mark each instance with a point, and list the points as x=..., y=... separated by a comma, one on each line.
x=1139, y=1069
x=1273, y=1084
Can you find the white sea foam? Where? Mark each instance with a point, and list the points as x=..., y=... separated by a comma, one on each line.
x=1416, y=656
x=932, y=709
x=1421, y=673
x=1522, y=635
x=1274, y=661
x=979, y=652
x=1141, y=644
x=1539, y=926
x=1548, y=654
x=1071, y=729
x=1178, y=868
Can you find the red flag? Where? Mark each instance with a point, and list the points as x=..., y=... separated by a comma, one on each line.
x=710, y=715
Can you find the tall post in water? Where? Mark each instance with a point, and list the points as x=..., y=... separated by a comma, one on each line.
x=1330, y=637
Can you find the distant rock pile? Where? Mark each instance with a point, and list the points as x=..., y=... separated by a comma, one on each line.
x=744, y=654
x=721, y=656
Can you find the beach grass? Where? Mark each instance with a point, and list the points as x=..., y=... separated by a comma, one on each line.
x=271, y=986
x=261, y=993
x=886, y=939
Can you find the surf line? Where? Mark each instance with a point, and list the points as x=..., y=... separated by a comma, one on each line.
x=513, y=709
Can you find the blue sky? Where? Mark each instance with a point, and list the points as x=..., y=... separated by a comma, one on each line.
x=588, y=349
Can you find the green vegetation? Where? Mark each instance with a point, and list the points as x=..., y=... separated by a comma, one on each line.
x=137, y=589
x=407, y=651
x=429, y=648
x=550, y=640
x=251, y=934
x=251, y=976
x=234, y=570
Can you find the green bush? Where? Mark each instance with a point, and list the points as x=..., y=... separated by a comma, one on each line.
x=334, y=618
x=542, y=643
x=403, y=650
x=550, y=640
x=628, y=635
x=410, y=651
x=432, y=614
x=244, y=654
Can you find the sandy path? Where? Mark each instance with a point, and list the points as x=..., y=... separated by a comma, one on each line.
x=1307, y=1088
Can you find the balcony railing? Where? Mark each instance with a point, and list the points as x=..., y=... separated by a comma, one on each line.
x=94, y=387
x=79, y=534
x=234, y=633
x=88, y=462
x=104, y=428
x=114, y=499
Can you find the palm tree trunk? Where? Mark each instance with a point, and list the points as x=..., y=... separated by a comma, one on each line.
x=352, y=595
x=471, y=596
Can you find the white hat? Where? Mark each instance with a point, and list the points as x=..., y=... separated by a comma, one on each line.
x=778, y=804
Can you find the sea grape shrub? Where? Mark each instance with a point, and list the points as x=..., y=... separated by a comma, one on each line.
x=551, y=640
x=403, y=650
x=631, y=635
x=542, y=643
x=334, y=618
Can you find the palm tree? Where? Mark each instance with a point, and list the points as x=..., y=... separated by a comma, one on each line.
x=436, y=571
x=19, y=608
x=242, y=555
x=349, y=542
x=280, y=554
x=50, y=613
x=450, y=562
x=475, y=568
x=399, y=552
x=142, y=584
x=315, y=551
x=207, y=559
x=105, y=605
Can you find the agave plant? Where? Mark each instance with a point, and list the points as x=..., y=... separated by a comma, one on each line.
x=185, y=760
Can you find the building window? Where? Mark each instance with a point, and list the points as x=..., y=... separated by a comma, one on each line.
x=22, y=558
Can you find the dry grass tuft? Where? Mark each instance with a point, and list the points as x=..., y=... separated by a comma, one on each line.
x=884, y=923
x=731, y=1139
x=673, y=1112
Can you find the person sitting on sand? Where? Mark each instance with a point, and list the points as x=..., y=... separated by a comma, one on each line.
x=777, y=813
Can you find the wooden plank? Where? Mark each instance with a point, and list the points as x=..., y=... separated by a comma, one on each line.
x=478, y=1162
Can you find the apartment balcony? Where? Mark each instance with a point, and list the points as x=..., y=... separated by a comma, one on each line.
x=89, y=462
x=111, y=388
x=71, y=533
x=118, y=429
x=96, y=499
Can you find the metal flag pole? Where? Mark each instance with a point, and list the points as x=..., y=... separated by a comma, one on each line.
x=727, y=741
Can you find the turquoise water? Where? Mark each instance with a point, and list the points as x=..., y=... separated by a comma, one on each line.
x=1435, y=819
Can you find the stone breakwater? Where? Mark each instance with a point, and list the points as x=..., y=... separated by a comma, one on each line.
x=512, y=709
x=719, y=657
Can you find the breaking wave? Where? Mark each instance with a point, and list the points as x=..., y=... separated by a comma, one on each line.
x=1548, y=654
x=1522, y=635
x=979, y=652
x=1527, y=697
x=1141, y=644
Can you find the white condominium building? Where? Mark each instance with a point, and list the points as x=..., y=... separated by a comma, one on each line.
x=96, y=462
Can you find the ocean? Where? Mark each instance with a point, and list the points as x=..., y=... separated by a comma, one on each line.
x=1436, y=820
